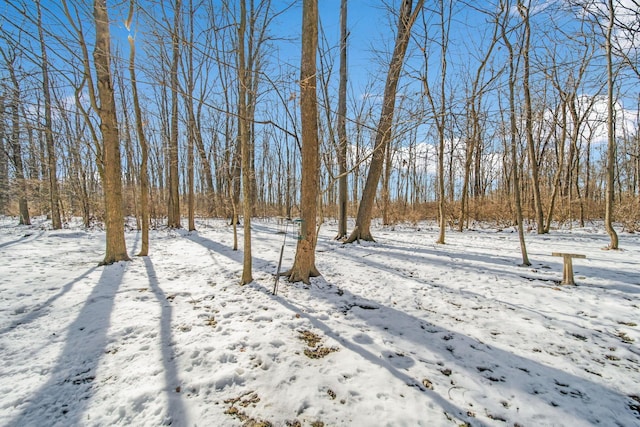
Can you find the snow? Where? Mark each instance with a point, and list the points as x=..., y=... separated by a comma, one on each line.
x=408, y=332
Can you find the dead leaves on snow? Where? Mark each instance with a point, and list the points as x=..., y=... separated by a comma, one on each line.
x=310, y=338
x=624, y=337
x=315, y=351
x=211, y=321
x=319, y=352
x=249, y=398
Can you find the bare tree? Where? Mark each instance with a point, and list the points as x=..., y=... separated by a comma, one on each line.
x=440, y=111
x=9, y=57
x=627, y=23
x=407, y=16
x=611, y=141
x=574, y=114
x=142, y=139
x=54, y=197
x=173, y=206
x=304, y=264
x=199, y=85
x=343, y=198
x=533, y=158
x=193, y=132
x=116, y=247
x=4, y=160
x=245, y=144
x=227, y=157
x=474, y=104
x=505, y=7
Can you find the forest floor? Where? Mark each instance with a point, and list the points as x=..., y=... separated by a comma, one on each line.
x=401, y=332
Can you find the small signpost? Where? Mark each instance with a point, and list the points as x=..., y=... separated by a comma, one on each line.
x=567, y=271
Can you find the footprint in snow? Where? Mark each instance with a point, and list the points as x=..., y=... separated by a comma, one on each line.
x=398, y=360
x=362, y=339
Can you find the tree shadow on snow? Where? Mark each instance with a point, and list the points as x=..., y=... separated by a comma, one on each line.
x=235, y=256
x=176, y=410
x=489, y=266
x=623, y=273
x=393, y=368
x=626, y=288
x=517, y=380
x=64, y=398
x=27, y=237
x=216, y=247
x=499, y=264
x=40, y=309
x=499, y=268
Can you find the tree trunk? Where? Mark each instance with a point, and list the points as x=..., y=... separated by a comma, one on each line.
x=343, y=199
x=78, y=180
x=54, y=198
x=469, y=151
x=386, y=177
x=192, y=129
x=190, y=183
x=129, y=173
x=441, y=127
x=173, y=214
x=4, y=163
x=144, y=150
x=116, y=249
x=245, y=146
x=16, y=148
x=513, y=135
x=611, y=141
x=439, y=115
x=533, y=157
x=304, y=264
x=362, y=229
x=558, y=174
x=234, y=188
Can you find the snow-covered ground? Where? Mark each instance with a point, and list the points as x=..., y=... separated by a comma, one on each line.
x=402, y=332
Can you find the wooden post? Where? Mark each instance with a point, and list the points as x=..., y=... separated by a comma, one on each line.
x=567, y=272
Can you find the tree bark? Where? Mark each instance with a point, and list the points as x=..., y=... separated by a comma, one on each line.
x=533, y=157
x=54, y=198
x=192, y=129
x=173, y=205
x=439, y=117
x=362, y=229
x=116, y=249
x=385, y=193
x=245, y=146
x=343, y=199
x=4, y=162
x=560, y=144
x=304, y=265
x=513, y=135
x=16, y=147
x=144, y=149
x=611, y=141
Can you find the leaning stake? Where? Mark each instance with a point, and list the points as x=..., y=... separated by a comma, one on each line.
x=275, y=283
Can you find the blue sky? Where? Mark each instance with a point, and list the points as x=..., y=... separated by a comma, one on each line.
x=371, y=28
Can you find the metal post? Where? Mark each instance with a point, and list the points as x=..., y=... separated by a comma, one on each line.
x=275, y=283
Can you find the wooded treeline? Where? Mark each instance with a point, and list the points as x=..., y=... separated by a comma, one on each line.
x=498, y=107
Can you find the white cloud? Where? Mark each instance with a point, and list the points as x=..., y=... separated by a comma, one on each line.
x=625, y=121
